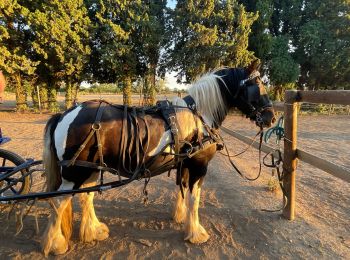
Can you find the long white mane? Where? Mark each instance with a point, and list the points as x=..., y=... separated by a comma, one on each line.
x=209, y=102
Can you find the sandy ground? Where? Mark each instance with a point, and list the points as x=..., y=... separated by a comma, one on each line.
x=230, y=207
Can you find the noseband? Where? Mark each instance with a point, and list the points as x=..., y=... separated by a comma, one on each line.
x=257, y=113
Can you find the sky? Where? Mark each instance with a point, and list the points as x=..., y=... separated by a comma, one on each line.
x=171, y=3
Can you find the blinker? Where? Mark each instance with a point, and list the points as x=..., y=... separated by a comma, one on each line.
x=253, y=93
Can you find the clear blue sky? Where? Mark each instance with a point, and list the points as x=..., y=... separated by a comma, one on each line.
x=171, y=3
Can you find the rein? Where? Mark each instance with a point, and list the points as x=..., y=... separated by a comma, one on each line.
x=261, y=133
x=276, y=164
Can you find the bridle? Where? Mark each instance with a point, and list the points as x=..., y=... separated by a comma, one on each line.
x=258, y=112
x=253, y=94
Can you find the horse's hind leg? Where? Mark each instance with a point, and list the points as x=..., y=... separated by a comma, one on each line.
x=180, y=209
x=194, y=232
x=59, y=228
x=91, y=228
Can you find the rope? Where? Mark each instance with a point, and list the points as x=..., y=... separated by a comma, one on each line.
x=278, y=130
x=261, y=133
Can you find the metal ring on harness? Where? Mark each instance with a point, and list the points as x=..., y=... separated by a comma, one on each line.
x=96, y=126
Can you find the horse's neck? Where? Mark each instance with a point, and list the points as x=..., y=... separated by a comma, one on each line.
x=208, y=120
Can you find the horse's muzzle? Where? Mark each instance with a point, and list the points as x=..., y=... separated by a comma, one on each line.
x=265, y=118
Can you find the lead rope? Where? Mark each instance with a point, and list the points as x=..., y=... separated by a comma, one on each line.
x=276, y=164
x=244, y=150
x=261, y=133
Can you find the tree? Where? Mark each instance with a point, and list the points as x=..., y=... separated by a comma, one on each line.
x=114, y=55
x=61, y=32
x=260, y=40
x=324, y=45
x=320, y=35
x=15, y=48
x=150, y=44
x=283, y=70
x=208, y=34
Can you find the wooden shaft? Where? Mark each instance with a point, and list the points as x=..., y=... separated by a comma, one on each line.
x=290, y=152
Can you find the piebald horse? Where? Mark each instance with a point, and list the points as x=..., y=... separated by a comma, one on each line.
x=204, y=109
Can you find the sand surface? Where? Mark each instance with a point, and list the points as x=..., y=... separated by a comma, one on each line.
x=230, y=207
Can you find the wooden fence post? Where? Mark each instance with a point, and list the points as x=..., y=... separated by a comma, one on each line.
x=290, y=153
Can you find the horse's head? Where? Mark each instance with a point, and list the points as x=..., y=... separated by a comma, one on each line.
x=215, y=93
x=252, y=97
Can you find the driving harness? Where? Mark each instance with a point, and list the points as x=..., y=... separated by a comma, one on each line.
x=181, y=149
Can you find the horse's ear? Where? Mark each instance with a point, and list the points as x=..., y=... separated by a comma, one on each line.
x=254, y=66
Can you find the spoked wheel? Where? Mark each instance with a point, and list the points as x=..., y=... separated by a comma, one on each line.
x=17, y=183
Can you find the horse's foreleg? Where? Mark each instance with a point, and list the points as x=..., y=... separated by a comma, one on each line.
x=180, y=209
x=59, y=228
x=194, y=232
x=91, y=228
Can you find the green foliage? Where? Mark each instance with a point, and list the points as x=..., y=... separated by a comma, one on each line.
x=61, y=32
x=261, y=40
x=149, y=46
x=104, y=88
x=283, y=69
x=113, y=53
x=14, y=42
x=208, y=34
x=319, y=32
x=301, y=43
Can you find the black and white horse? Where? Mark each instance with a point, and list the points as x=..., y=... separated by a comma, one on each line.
x=151, y=147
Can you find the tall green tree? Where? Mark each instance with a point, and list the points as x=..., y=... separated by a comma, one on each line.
x=323, y=45
x=260, y=40
x=208, y=34
x=150, y=44
x=319, y=36
x=15, y=47
x=61, y=33
x=283, y=70
x=114, y=50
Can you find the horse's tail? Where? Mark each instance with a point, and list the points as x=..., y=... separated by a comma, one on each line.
x=52, y=170
x=53, y=174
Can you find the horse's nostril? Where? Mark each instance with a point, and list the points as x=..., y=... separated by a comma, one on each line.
x=273, y=120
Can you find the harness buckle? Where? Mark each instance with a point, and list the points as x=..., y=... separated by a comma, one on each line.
x=173, y=126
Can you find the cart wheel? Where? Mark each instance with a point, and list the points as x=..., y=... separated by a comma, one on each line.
x=10, y=160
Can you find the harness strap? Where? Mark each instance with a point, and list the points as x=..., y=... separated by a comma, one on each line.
x=95, y=127
x=123, y=140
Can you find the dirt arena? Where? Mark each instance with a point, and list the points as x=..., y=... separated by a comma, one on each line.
x=230, y=207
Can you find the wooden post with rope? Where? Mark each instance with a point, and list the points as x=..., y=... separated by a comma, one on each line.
x=290, y=152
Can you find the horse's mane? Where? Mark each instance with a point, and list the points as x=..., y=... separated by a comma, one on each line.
x=209, y=101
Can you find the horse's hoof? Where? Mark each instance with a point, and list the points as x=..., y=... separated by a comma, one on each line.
x=102, y=232
x=58, y=246
x=198, y=236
